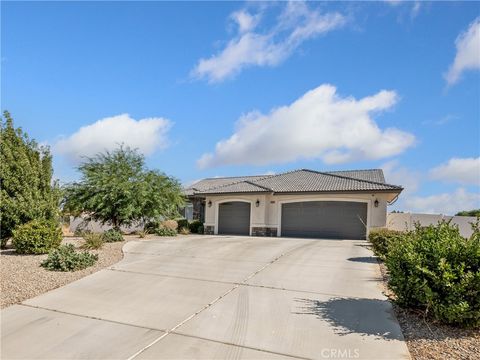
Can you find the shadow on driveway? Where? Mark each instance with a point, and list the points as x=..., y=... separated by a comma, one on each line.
x=364, y=259
x=351, y=315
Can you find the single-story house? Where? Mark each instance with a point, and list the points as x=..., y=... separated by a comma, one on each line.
x=300, y=203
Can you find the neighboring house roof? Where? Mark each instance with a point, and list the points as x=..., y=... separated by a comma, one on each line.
x=298, y=181
x=210, y=183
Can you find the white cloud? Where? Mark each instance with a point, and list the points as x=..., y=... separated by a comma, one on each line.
x=147, y=135
x=441, y=121
x=445, y=203
x=393, y=2
x=320, y=124
x=399, y=175
x=296, y=24
x=468, y=53
x=415, y=9
x=458, y=170
x=245, y=20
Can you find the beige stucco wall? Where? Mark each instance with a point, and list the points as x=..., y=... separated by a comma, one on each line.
x=406, y=221
x=268, y=213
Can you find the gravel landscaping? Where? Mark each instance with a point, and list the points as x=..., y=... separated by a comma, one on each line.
x=22, y=277
x=429, y=340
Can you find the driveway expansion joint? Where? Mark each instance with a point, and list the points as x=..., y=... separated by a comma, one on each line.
x=172, y=330
x=242, y=283
x=91, y=317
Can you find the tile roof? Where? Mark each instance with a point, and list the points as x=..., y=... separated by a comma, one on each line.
x=209, y=183
x=375, y=175
x=297, y=181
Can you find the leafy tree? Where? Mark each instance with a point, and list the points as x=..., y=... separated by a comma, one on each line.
x=116, y=188
x=27, y=190
x=475, y=212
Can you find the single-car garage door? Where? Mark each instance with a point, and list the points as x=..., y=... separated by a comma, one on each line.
x=234, y=218
x=325, y=219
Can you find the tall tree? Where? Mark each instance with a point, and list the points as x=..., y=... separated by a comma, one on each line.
x=27, y=189
x=116, y=188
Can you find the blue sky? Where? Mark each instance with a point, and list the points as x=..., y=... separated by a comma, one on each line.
x=230, y=88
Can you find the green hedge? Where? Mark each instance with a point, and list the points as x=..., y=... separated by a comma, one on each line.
x=36, y=237
x=435, y=269
x=381, y=239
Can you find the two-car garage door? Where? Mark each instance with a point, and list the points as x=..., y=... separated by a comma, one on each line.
x=309, y=219
x=324, y=219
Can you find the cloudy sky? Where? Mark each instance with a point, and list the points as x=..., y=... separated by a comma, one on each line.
x=222, y=89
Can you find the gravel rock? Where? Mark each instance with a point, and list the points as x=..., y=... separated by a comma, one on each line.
x=429, y=340
x=22, y=277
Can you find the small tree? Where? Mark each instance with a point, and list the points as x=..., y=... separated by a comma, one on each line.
x=27, y=190
x=475, y=212
x=117, y=189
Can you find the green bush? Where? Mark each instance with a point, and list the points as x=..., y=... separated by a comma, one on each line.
x=195, y=225
x=381, y=239
x=182, y=224
x=163, y=231
x=151, y=227
x=93, y=241
x=65, y=258
x=435, y=269
x=36, y=237
x=112, y=235
x=142, y=234
x=200, y=230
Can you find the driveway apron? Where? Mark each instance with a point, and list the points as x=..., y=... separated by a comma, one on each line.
x=215, y=297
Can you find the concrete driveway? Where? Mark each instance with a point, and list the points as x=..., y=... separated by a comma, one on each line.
x=215, y=297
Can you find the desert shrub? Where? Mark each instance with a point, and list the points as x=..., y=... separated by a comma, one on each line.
x=195, y=225
x=182, y=224
x=151, y=227
x=93, y=241
x=112, y=235
x=381, y=239
x=66, y=258
x=142, y=234
x=163, y=231
x=184, y=231
x=36, y=237
x=435, y=269
x=170, y=224
x=81, y=232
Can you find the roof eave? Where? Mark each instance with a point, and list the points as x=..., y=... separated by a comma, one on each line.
x=395, y=191
x=339, y=191
x=233, y=193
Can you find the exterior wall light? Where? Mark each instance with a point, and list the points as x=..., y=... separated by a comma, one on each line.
x=257, y=203
x=209, y=203
x=375, y=203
